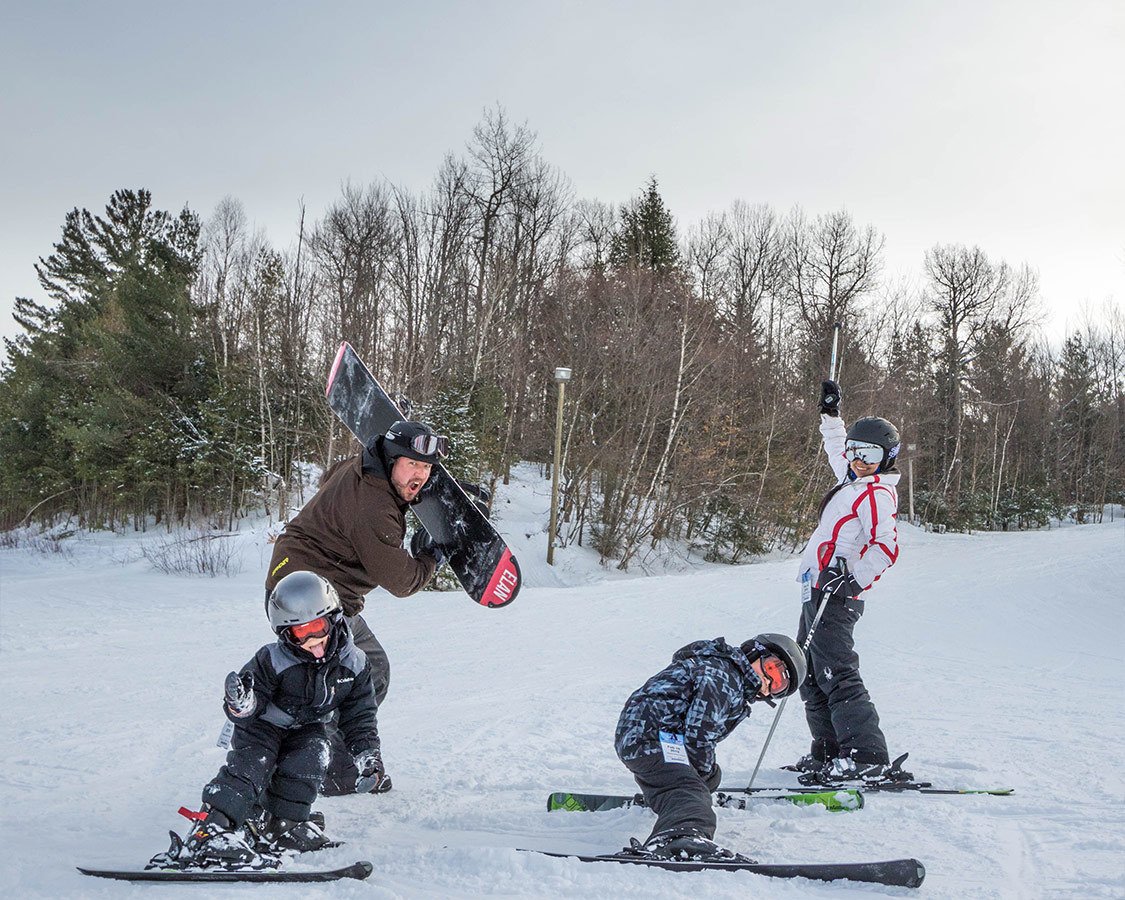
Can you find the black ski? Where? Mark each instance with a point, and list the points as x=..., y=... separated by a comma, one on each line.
x=894, y=780
x=894, y=872
x=874, y=787
x=478, y=556
x=358, y=870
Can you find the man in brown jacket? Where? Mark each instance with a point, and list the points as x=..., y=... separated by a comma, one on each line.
x=351, y=532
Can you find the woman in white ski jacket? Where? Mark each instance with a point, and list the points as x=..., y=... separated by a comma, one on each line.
x=854, y=543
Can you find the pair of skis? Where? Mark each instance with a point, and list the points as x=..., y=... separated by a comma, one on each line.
x=837, y=798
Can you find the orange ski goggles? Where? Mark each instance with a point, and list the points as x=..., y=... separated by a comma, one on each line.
x=317, y=628
x=777, y=674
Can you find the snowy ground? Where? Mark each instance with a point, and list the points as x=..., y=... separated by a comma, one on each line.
x=996, y=660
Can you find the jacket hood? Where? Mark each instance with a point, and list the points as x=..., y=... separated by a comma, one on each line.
x=719, y=648
x=374, y=463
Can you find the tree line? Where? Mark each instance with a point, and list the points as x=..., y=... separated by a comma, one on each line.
x=174, y=373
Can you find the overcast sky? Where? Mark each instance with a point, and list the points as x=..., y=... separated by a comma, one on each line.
x=1000, y=124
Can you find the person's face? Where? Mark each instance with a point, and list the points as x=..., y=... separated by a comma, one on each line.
x=409, y=476
x=773, y=675
x=862, y=469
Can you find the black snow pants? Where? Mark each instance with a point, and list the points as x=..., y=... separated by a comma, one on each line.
x=342, y=772
x=841, y=716
x=279, y=769
x=677, y=794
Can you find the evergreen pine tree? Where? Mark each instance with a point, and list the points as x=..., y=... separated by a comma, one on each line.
x=98, y=391
x=646, y=236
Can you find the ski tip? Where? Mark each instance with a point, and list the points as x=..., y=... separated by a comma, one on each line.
x=363, y=869
x=344, y=347
x=504, y=585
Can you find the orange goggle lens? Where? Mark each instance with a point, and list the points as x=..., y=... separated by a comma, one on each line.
x=776, y=674
x=317, y=628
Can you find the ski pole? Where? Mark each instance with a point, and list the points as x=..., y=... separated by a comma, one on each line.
x=835, y=344
x=843, y=564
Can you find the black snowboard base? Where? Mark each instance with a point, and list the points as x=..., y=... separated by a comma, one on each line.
x=895, y=872
x=357, y=870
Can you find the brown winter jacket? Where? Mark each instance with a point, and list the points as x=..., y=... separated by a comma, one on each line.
x=351, y=532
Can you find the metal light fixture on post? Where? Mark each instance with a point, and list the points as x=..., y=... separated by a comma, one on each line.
x=910, y=477
x=562, y=376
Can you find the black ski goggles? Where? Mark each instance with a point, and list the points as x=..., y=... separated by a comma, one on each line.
x=430, y=444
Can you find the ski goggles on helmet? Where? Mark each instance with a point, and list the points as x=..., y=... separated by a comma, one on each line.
x=313, y=630
x=429, y=444
x=776, y=673
x=872, y=454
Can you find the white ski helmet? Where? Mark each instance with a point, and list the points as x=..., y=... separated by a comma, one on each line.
x=301, y=597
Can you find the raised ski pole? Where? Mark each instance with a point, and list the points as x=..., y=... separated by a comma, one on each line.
x=835, y=346
x=840, y=561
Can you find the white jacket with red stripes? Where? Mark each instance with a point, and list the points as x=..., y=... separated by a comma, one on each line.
x=859, y=521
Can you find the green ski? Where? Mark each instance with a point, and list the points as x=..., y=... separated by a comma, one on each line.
x=839, y=800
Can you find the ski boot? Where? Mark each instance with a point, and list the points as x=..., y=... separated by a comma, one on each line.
x=214, y=842
x=849, y=768
x=290, y=836
x=817, y=759
x=684, y=846
x=807, y=763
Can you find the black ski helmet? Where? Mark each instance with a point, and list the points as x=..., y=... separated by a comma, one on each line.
x=878, y=431
x=415, y=440
x=784, y=648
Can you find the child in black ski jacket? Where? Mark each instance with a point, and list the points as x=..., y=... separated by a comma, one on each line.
x=668, y=730
x=280, y=703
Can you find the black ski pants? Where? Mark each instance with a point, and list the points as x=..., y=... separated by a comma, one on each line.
x=279, y=769
x=677, y=794
x=841, y=716
x=342, y=772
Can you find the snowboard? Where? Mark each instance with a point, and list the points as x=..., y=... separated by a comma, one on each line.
x=477, y=554
x=359, y=870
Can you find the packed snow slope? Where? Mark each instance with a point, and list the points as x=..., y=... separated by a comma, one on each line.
x=996, y=660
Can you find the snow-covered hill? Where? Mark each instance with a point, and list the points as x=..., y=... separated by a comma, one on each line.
x=996, y=660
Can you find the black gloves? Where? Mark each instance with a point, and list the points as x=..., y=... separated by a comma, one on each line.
x=830, y=398
x=239, y=694
x=421, y=542
x=369, y=763
x=714, y=778
x=478, y=493
x=838, y=583
x=371, y=771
